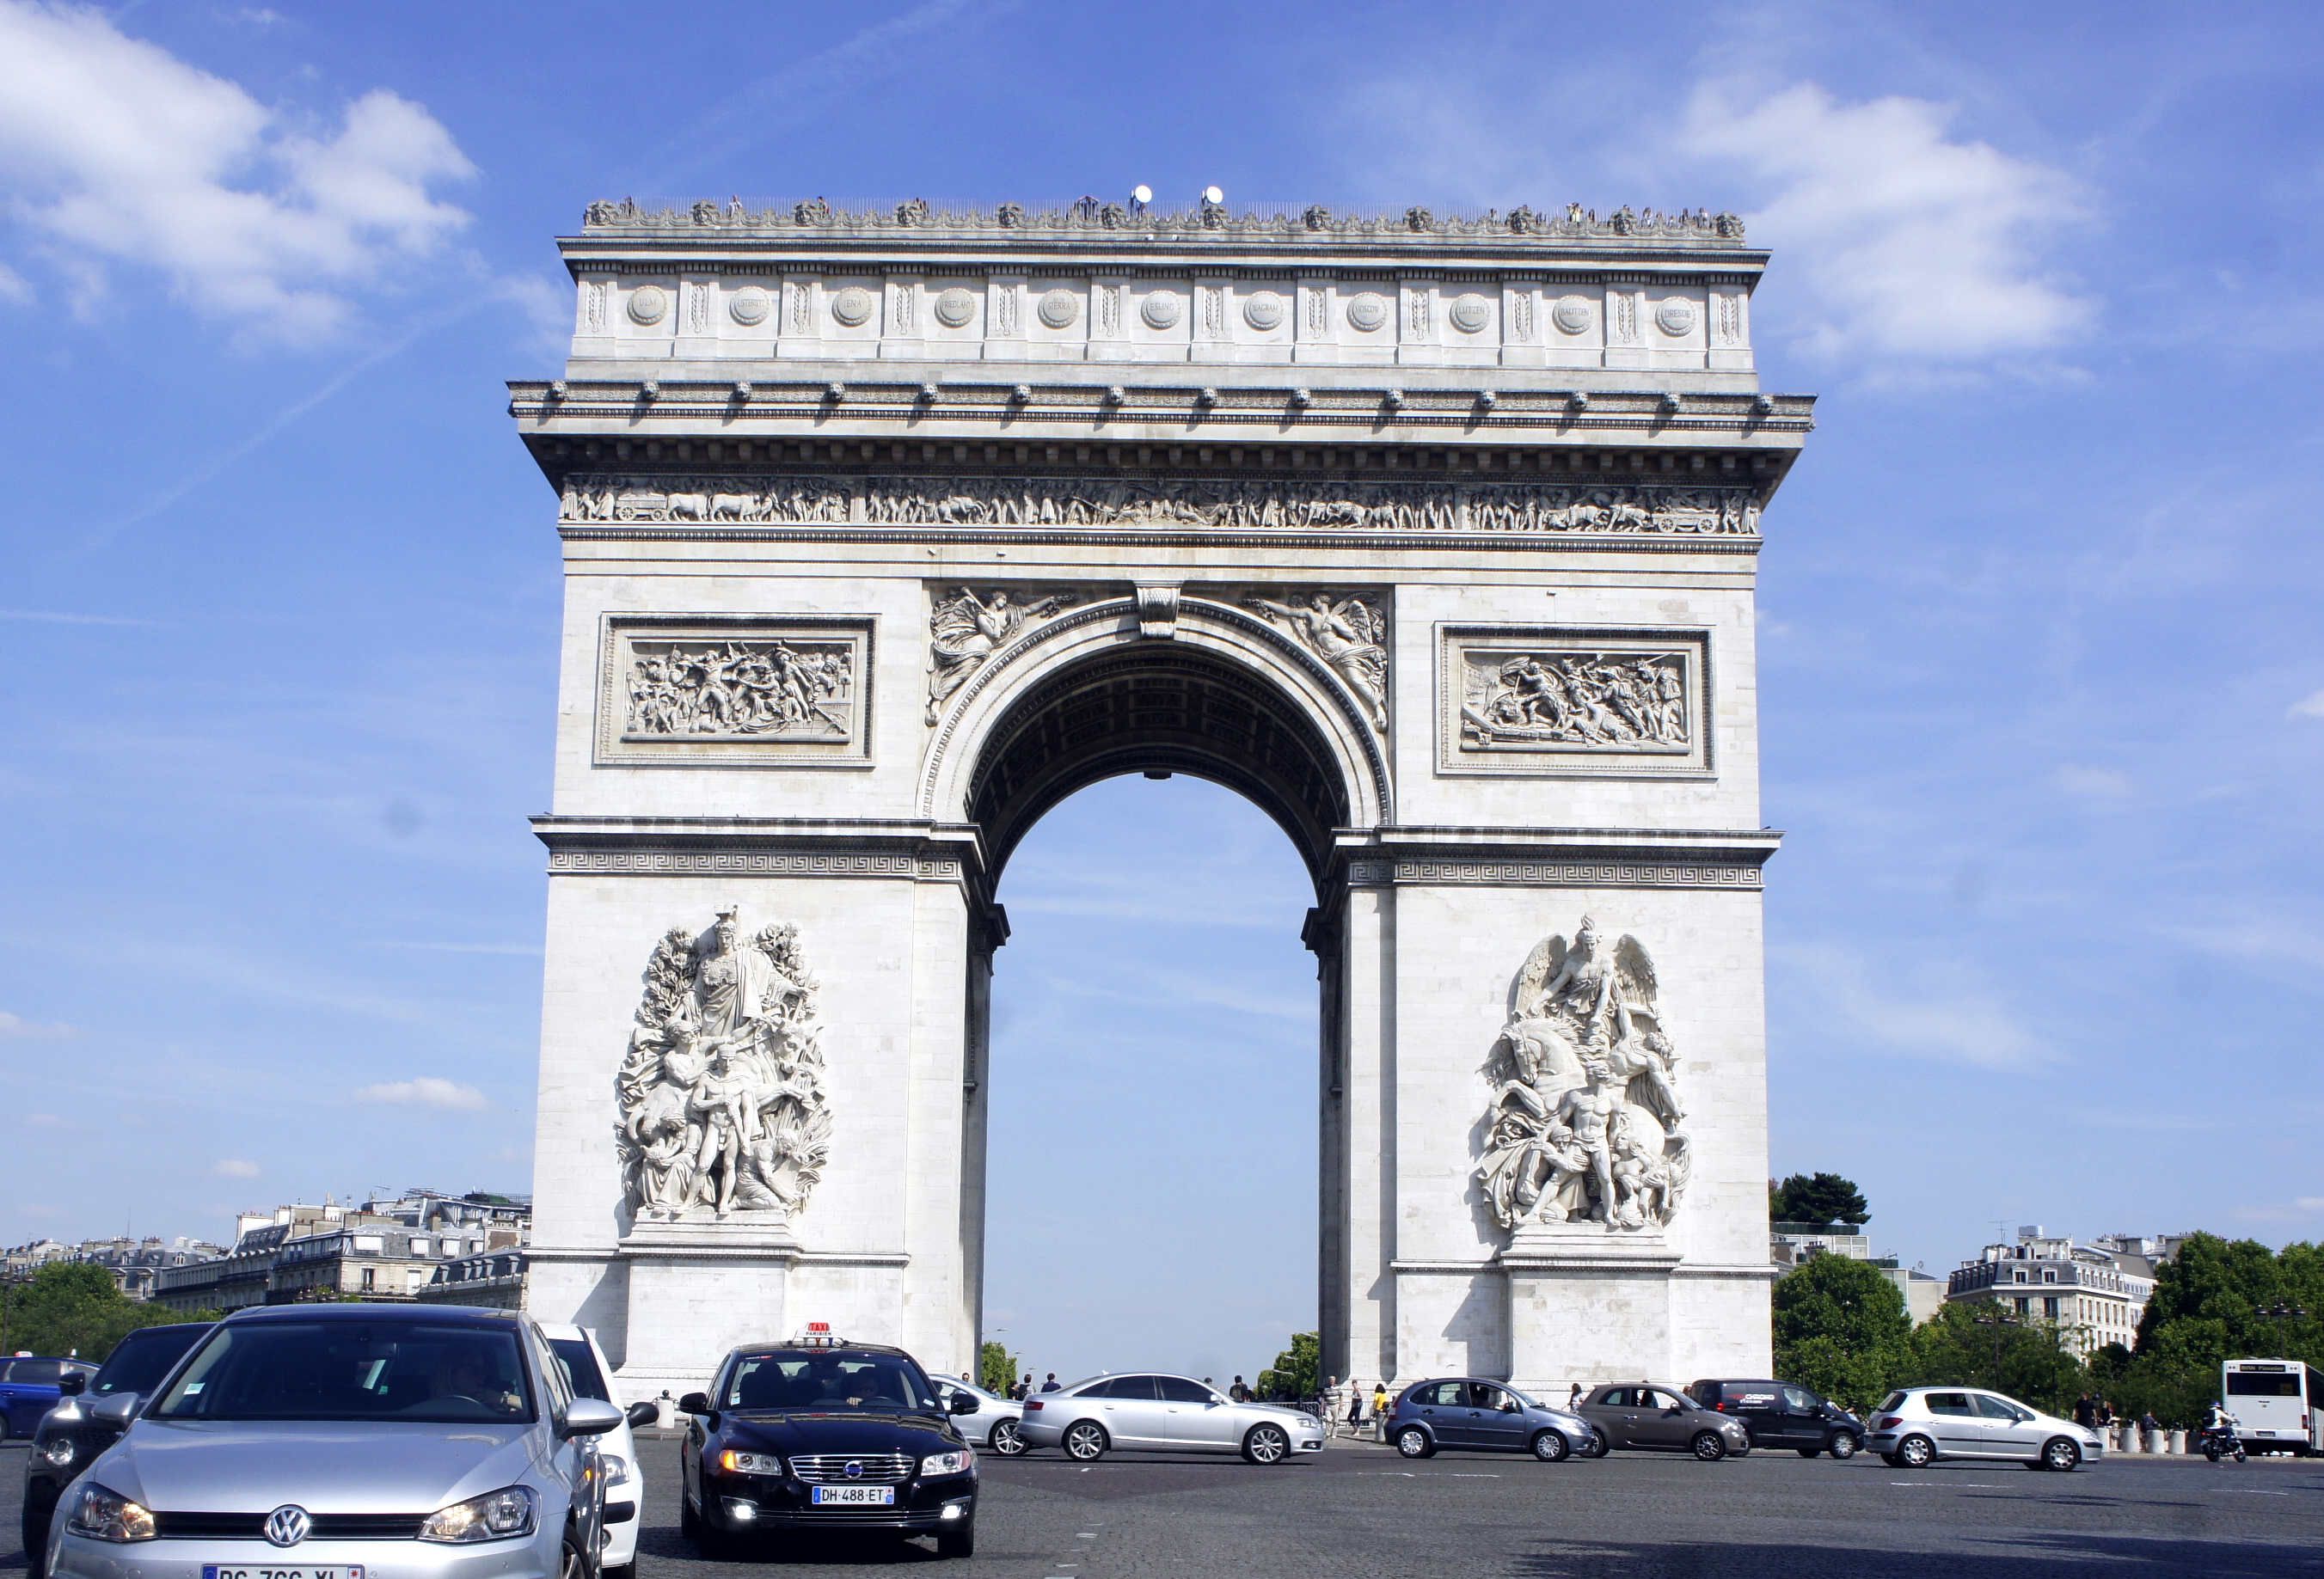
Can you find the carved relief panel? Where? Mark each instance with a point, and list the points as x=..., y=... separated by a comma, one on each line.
x=712, y=691
x=1558, y=701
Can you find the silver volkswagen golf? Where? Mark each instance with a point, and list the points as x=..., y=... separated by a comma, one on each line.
x=348, y=1442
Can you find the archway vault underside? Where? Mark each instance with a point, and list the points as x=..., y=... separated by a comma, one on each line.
x=1156, y=708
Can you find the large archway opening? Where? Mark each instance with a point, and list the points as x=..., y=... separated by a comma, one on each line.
x=1155, y=1127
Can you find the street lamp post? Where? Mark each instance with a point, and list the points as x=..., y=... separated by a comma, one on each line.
x=2000, y=1321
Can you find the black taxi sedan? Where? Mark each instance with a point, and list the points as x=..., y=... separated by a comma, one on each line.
x=822, y=1435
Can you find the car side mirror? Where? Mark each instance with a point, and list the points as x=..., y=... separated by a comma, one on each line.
x=964, y=1403
x=644, y=1412
x=116, y=1411
x=73, y=1384
x=590, y=1417
x=694, y=1403
x=1675, y=1409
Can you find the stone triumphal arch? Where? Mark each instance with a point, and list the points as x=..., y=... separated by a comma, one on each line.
x=884, y=532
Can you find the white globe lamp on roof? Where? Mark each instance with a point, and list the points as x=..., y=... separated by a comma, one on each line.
x=1213, y=195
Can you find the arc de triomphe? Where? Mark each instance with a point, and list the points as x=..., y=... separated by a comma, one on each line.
x=885, y=532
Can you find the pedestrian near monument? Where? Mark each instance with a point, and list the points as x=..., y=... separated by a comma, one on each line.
x=1239, y=1392
x=1052, y=1384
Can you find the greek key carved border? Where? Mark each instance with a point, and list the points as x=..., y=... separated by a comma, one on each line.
x=748, y=863
x=1557, y=873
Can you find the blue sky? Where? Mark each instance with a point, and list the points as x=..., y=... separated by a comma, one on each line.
x=2041, y=672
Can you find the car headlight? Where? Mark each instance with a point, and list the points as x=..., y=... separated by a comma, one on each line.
x=59, y=1451
x=616, y=1468
x=1311, y=1422
x=495, y=1515
x=959, y=1463
x=104, y=1514
x=734, y=1463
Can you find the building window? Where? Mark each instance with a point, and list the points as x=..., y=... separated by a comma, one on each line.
x=369, y=1276
x=2049, y=1274
x=2017, y=1275
x=2050, y=1309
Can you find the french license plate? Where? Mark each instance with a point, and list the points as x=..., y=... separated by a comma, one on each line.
x=826, y=1497
x=256, y=1571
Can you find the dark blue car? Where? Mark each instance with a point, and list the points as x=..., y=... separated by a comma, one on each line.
x=28, y=1390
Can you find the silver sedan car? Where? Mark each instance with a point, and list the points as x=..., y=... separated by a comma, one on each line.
x=995, y=1424
x=348, y=1442
x=1148, y=1410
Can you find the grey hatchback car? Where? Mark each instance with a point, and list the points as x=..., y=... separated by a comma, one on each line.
x=1654, y=1416
x=347, y=1442
x=1468, y=1412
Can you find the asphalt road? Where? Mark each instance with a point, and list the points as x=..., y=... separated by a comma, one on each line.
x=1361, y=1511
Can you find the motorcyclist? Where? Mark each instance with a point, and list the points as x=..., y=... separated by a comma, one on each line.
x=2219, y=1430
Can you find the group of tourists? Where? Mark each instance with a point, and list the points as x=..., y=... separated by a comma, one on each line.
x=1347, y=1404
x=1021, y=1390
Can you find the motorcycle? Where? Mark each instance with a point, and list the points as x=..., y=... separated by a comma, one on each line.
x=2222, y=1442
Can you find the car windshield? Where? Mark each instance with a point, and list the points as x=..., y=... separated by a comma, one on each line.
x=580, y=1368
x=826, y=1379
x=415, y=1370
x=142, y=1359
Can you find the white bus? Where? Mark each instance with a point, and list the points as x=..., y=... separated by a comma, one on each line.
x=2278, y=1404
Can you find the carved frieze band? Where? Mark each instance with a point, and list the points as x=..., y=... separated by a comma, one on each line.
x=1619, y=509
x=710, y=690
x=587, y=861
x=1562, y=702
x=1558, y=873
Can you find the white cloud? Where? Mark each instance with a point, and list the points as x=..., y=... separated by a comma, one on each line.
x=2309, y=706
x=113, y=151
x=14, y=287
x=17, y=1028
x=235, y=1168
x=1926, y=1020
x=1920, y=246
x=2093, y=783
x=426, y=1091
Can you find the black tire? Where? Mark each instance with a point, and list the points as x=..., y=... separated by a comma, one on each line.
x=1846, y=1444
x=37, y=1518
x=573, y=1560
x=1085, y=1442
x=2210, y=1451
x=1709, y=1447
x=690, y=1526
x=1008, y=1439
x=1892, y=1460
x=1267, y=1444
x=1550, y=1447
x=958, y=1542
x=1914, y=1452
x=1414, y=1443
x=1809, y=1452
x=2061, y=1453
x=1597, y=1446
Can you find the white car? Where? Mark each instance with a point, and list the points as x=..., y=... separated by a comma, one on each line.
x=576, y=1348
x=1914, y=1426
x=1146, y=1411
x=997, y=1423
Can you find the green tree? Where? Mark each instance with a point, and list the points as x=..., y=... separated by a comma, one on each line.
x=1298, y=1372
x=2221, y=1299
x=1820, y=1198
x=996, y=1367
x=1967, y=1344
x=72, y=1308
x=1841, y=1330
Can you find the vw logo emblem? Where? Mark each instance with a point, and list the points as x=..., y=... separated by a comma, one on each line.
x=288, y=1525
x=854, y=1469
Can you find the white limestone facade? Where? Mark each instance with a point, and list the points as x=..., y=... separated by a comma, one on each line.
x=1435, y=537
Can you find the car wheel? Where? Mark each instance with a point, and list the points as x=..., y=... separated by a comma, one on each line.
x=572, y=1562
x=1008, y=1438
x=1914, y=1453
x=1085, y=1442
x=1809, y=1452
x=1710, y=1447
x=36, y=1540
x=2058, y=1454
x=690, y=1526
x=1845, y=1444
x=1550, y=1447
x=1413, y=1443
x=1266, y=1444
x=1596, y=1446
x=957, y=1543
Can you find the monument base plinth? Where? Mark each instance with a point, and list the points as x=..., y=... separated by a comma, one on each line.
x=698, y=1286
x=1587, y=1304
